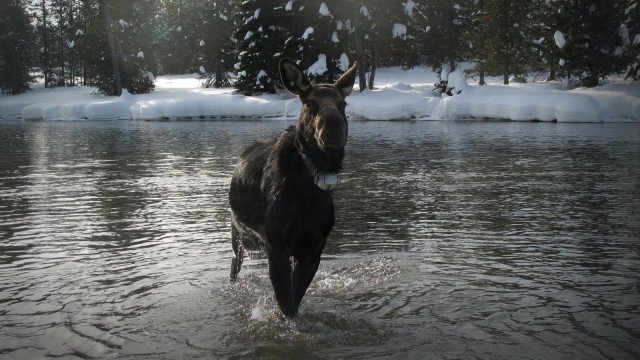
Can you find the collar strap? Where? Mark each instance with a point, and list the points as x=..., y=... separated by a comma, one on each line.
x=312, y=169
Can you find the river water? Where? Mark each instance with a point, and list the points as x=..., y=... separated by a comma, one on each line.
x=454, y=240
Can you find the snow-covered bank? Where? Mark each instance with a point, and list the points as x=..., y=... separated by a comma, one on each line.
x=399, y=95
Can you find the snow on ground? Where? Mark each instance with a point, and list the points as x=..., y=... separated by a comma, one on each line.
x=398, y=95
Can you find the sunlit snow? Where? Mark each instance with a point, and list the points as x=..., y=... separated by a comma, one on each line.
x=559, y=38
x=399, y=30
x=398, y=95
x=307, y=32
x=324, y=10
x=319, y=67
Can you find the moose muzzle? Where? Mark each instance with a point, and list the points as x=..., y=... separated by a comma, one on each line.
x=331, y=127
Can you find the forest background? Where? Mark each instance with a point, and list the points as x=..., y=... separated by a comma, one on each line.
x=239, y=43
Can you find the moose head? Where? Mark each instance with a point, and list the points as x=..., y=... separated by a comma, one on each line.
x=322, y=117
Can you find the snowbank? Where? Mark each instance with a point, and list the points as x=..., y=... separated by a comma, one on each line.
x=224, y=106
x=398, y=95
x=394, y=101
x=545, y=102
x=522, y=104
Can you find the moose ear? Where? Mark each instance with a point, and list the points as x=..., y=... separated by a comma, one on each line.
x=293, y=79
x=346, y=81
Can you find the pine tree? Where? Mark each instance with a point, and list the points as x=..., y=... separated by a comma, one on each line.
x=60, y=11
x=543, y=23
x=132, y=24
x=16, y=47
x=55, y=37
x=380, y=30
x=444, y=37
x=180, y=25
x=89, y=39
x=476, y=38
x=216, y=53
x=593, y=47
x=406, y=31
x=72, y=63
x=443, y=22
x=388, y=27
x=40, y=10
x=507, y=52
x=260, y=36
x=360, y=21
x=318, y=37
x=632, y=29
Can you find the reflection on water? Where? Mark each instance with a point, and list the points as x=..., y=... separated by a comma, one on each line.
x=453, y=240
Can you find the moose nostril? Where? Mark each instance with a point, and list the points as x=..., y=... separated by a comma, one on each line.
x=330, y=141
x=331, y=130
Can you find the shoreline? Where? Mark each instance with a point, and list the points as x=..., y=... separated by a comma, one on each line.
x=399, y=95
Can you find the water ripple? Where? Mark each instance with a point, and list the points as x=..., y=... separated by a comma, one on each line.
x=453, y=240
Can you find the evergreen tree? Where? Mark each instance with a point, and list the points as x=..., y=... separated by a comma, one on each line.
x=67, y=38
x=543, y=23
x=216, y=53
x=593, y=47
x=500, y=37
x=72, y=60
x=507, y=53
x=406, y=31
x=318, y=37
x=379, y=29
x=16, y=47
x=389, y=33
x=443, y=22
x=260, y=35
x=181, y=23
x=55, y=37
x=60, y=11
x=40, y=10
x=88, y=36
x=632, y=31
x=444, y=37
x=477, y=38
x=132, y=24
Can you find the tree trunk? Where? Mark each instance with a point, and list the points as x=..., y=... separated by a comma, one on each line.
x=45, y=46
x=112, y=49
x=552, y=74
x=360, y=51
x=72, y=58
x=375, y=60
x=61, y=55
x=505, y=72
x=592, y=79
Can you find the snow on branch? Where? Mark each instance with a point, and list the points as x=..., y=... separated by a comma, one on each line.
x=559, y=38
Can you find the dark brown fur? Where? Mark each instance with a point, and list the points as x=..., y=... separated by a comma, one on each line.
x=274, y=199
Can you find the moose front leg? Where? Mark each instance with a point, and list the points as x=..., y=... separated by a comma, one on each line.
x=238, y=253
x=303, y=272
x=280, y=276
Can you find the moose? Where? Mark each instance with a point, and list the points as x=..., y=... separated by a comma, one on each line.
x=281, y=190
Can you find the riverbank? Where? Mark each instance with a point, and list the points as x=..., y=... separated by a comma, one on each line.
x=398, y=95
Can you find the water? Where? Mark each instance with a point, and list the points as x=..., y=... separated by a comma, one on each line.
x=454, y=240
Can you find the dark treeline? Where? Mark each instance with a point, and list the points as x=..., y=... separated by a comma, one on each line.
x=64, y=41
